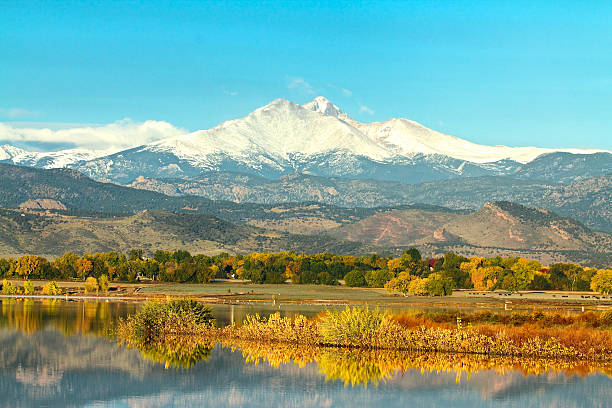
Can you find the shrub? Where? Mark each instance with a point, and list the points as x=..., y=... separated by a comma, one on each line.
x=103, y=283
x=354, y=326
x=606, y=318
x=91, y=285
x=51, y=289
x=154, y=319
x=8, y=288
x=378, y=279
x=28, y=287
x=355, y=278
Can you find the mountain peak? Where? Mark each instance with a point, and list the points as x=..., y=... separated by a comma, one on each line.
x=323, y=106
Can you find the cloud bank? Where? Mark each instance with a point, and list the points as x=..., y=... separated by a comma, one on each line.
x=116, y=136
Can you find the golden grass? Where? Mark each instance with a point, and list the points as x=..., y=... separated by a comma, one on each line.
x=361, y=328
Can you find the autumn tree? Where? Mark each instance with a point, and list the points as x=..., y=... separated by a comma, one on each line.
x=28, y=287
x=103, y=283
x=523, y=272
x=28, y=265
x=602, y=281
x=91, y=285
x=83, y=267
x=66, y=265
x=400, y=284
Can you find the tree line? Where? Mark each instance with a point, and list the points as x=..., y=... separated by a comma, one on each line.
x=409, y=273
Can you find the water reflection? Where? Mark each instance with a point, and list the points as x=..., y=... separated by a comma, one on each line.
x=57, y=354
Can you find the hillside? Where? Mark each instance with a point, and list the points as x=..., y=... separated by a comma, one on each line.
x=497, y=228
x=150, y=230
x=85, y=215
x=589, y=200
x=25, y=187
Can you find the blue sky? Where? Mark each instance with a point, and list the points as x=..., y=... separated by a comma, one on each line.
x=493, y=72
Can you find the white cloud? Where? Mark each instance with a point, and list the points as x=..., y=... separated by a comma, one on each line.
x=365, y=109
x=347, y=92
x=16, y=113
x=300, y=84
x=119, y=135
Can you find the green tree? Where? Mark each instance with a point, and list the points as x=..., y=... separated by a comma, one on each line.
x=523, y=271
x=355, y=278
x=378, y=278
x=411, y=255
x=66, y=265
x=437, y=285
x=135, y=255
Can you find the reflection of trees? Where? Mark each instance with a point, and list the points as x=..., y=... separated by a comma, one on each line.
x=69, y=318
x=176, y=351
x=355, y=367
x=360, y=367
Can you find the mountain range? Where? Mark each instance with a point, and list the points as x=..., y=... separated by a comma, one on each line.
x=61, y=209
x=588, y=201
x=249, y=184
x=318, y=139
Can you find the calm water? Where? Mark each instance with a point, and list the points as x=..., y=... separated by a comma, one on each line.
x=58, y=354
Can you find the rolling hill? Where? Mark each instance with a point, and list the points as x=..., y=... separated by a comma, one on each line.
x=59, y=210
x=589, y=200
x=497, y=228
x=53, y=235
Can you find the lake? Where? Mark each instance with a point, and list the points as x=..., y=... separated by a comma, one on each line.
x=57, y=354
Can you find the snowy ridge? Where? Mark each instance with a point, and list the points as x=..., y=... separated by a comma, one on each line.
x=283, y=128
x=278, y=130
x=57, y=159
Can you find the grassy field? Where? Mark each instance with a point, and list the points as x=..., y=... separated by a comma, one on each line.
x=242, y=292
x=342, y=294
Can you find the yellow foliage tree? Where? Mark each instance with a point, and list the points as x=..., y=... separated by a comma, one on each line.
x=28, y=288
x=400, y=284
x=52, y=289
x=103, y=283
x=28, y=265
x=395, y=265
x=91, y=285
x=83, y=267
x=418, y=286
x=602, y=281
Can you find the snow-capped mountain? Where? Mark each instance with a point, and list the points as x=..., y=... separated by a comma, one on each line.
x=408, y=138
x=316, y=138
x=56, y=159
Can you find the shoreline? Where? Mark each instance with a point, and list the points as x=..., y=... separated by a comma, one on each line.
x=239, y=293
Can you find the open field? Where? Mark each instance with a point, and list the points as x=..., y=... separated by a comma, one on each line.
x=242, y=292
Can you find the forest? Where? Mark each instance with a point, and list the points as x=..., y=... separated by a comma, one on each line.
x=407, y=274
